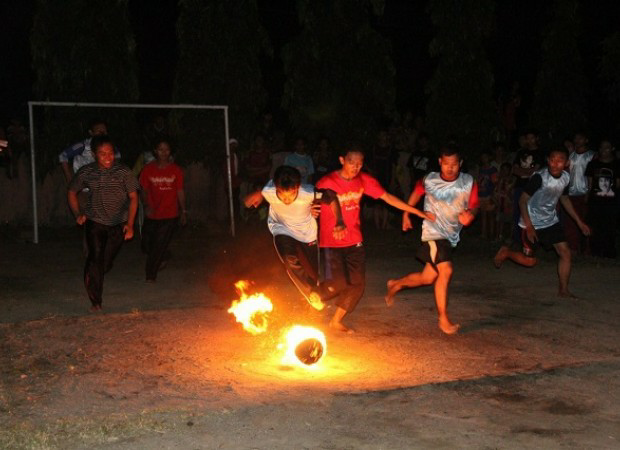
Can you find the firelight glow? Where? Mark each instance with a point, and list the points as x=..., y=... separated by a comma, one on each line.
x=251, y=311
x=315, y=350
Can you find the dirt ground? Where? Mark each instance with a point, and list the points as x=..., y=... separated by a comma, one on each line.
x=165, y=365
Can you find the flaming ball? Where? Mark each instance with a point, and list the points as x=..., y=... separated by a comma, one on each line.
x=309, y=351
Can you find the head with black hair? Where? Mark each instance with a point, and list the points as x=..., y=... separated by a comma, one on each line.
x=449, y=162
x=557, y=160
x=352, y=160
x=287, y=180
x=163, y=149
x=103, y=149
x=97, y=127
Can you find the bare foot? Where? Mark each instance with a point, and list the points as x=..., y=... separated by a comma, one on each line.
x=567, y=294
x=448, y=327
x=96, y=309
x=500, y=256
x=389, y=298
x=338, y=326
x=315, y=301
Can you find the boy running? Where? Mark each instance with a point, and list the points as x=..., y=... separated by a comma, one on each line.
x=345, y=269
x=452, y=197
x=294, y=228
x=539, y=221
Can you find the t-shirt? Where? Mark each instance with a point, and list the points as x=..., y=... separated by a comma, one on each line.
x=161, y=185
x=604, y=176
x=81, y=154
x=528, y=159
x=487, y=177
x=544, y=190
x=303, y=163
x=349, y=195
x=446, y=199
x=108, y=192
x=578, y=184
x=294, y=220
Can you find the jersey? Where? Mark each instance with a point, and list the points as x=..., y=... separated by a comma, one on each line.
x=544, y=190
x=446, y=199
x=578, y=184
x=161, y=185
x=349, y=194
x=294, y=220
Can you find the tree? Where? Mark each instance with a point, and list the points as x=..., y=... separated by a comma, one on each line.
x=83, y=52
x=339, y=73
x=460, y=102
x=559, y=93
x=220, y=44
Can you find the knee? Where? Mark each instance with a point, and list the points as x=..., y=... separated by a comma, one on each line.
x=429, y=278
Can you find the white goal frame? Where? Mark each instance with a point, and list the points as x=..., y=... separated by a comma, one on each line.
x=222, y=108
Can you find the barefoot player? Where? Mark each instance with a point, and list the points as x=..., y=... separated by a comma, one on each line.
x=345, y=269
x=294, y=228
x=539, y=218
x=452, y=197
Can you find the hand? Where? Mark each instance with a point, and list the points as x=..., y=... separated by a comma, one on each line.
x=429, y=216
x=466, y=217
x=128, y=232
x=339, y=232
x=406, y=223
x=80, y=219
x=585, y=229
x=183, y=218
x=531, y=234
x=315, y=209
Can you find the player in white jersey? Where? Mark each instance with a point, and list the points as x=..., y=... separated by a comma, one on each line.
x=293, y=226
x=452, y=197
x=539, y=222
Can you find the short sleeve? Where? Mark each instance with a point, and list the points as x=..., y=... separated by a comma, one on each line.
x=77, y=182
x=419, y=187
x=533, y=184
x=371, y=185
x=131, y=182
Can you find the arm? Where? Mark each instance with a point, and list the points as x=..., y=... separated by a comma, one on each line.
x=75, y=207
x=467, y=216
x=568, y=206
x=67, y=170
x=181, y=200
x=398, y=203
x=253, y=199
x=414, y=198
x=529, y=228
x=133, y=208
x=330, y=198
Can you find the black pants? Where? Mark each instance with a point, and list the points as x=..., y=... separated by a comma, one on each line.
x=103, y=243
x=345, y=274
x=602, y=221
x=300, y=260
x=156, y=236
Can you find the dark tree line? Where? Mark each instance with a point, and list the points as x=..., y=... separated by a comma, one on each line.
x=338, y=68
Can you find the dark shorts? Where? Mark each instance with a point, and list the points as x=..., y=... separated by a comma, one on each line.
x=435, y=252
x=546, y=238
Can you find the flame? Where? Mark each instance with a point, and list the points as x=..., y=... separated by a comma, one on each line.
x=251, y=311
x=315, y=346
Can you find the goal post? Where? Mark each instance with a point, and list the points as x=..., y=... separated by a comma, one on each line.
x=222, y=108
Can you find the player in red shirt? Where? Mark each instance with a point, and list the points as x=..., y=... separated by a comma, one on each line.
x=345, y=269
x=162, y=195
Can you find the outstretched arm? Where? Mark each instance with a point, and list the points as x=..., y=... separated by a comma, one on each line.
x=253, y=199
x=568, y=206
x=398, y=203
x=414, y=198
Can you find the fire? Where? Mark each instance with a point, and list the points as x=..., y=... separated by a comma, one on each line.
x=251, y=311
x=305, y=346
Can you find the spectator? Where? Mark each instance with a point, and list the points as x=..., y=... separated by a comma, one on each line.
x=301, y=161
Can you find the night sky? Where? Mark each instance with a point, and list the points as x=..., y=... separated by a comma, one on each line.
x=514, y=49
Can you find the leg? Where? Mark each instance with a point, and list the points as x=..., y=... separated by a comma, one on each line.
x=505, y=253
x=160, y=235
x=288, y=250
x=441, y=297
x=96, y=240
x=349, y=267
x=564, y=268
x=414, y=279
x=116, y=237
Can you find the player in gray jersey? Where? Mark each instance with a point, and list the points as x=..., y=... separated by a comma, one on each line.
x=452, y=197
x=539, y=221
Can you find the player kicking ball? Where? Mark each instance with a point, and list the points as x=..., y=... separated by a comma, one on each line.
x=293, y=225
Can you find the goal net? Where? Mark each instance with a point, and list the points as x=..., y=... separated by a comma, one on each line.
x=200, y=133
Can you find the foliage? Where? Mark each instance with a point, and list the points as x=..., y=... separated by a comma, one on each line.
x=559, y=93
x=610, y=67
x=220, y=45
x=339, y=73
x=460, y=103
x=83, y=52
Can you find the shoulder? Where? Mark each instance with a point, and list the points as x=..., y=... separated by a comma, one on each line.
x=328, y=180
